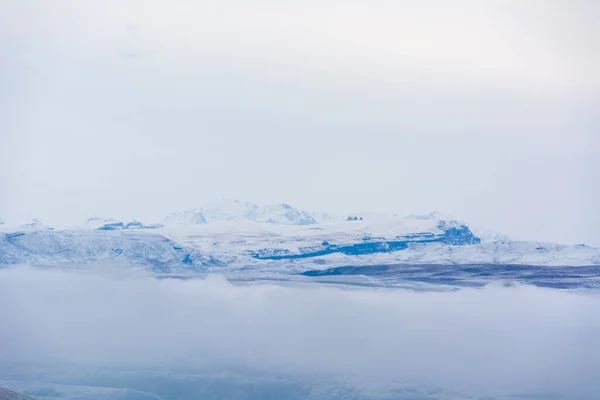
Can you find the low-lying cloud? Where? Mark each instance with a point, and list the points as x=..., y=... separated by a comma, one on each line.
x=489, y=340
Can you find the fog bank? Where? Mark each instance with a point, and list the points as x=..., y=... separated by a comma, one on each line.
x=487, y=340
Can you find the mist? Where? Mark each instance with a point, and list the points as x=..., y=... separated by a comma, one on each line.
x=492, y=341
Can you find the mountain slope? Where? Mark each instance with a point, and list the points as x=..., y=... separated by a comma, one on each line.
x=147, y=250
x=235, y=235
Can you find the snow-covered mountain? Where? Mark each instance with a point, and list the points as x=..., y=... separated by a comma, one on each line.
x=95, y=222
x=110, y=224
x=154, y=252
x=33, y=224
x=432, y=216
x=236, y=236
x=117, y=226
x=234, y=210
x=323, y=217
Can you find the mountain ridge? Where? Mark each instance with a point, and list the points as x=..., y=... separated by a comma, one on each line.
x=234, y=235
x=235, y=210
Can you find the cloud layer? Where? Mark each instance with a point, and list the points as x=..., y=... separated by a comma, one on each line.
x=499, y=339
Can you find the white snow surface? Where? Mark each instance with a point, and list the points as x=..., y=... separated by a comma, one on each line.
x=235, y=210
x=233, y=235
x=95, y=223
x=229, y=240
x=32, y=224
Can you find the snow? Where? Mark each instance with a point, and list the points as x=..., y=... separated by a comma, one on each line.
x=241, y=236
x=234, y=210
x=238, y=241
x=188, y=217
x=234, y=236
x=323, y=217
x=433, y=215
x=110, y=224
x=150, y=251
x=95, y=222
x=32, y=224
x=115, y=226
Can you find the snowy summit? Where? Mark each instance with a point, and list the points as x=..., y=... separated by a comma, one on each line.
x=235, y=210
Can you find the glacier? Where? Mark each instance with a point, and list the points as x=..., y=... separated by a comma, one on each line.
x=145, y=250
x=115, y=226
x=231, y=236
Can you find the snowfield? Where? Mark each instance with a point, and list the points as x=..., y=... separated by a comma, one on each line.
x=229, y=235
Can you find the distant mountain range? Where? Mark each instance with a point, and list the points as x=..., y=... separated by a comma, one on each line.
x=234, y=235
x=234, y=210
x=226, y=210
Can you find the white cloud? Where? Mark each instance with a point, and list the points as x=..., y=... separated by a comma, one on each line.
x=491, y=341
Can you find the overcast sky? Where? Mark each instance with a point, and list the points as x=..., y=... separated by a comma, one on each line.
x=485, y=110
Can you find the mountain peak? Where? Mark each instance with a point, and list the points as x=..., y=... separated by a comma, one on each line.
x=32, y=224
x=434, y=215
x=235, y=210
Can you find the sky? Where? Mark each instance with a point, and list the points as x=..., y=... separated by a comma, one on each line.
x=482, y=342
x=487, y=111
